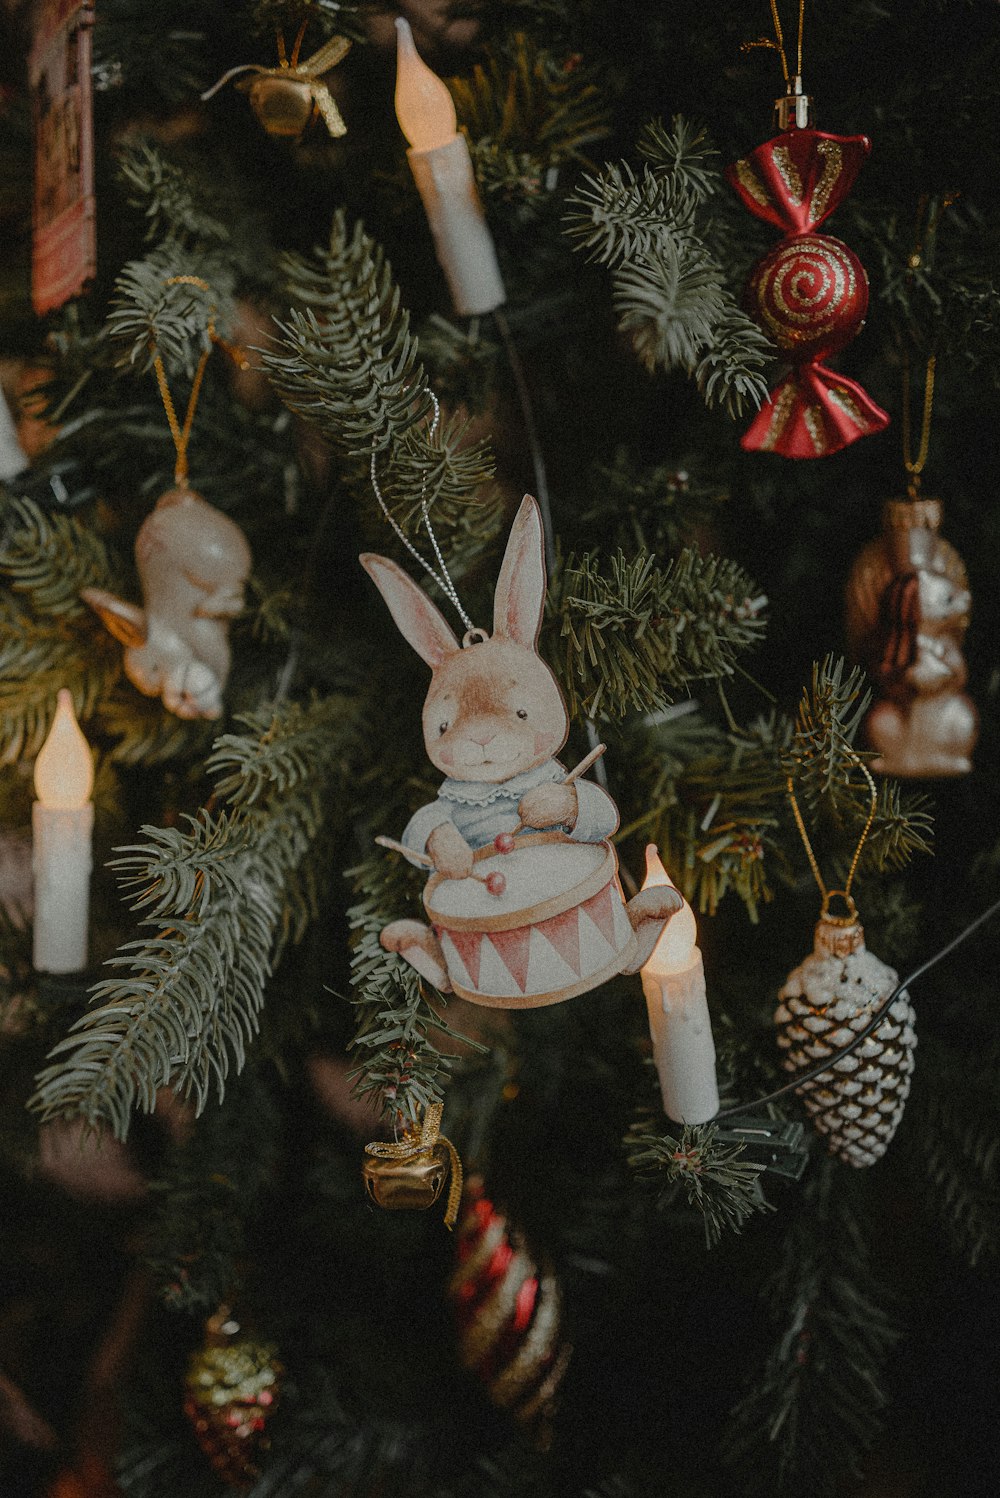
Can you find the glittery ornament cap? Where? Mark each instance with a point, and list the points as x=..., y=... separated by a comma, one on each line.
x=835, y=939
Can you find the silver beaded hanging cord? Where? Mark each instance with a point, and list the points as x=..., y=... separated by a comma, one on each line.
x=442, y=578
x=541, y=488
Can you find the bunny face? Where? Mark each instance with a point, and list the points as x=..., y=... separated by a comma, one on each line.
x=494, y=708
x=493, y=711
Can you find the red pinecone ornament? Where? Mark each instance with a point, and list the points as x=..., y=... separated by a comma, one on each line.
x=810, y=293
x=230, y=1391
x=508, y=1312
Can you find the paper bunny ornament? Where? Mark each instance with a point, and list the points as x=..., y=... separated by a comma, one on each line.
x=524, y=902
x=192, y=562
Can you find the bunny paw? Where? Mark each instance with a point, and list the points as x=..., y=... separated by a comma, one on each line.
x=417, y=945
x=649, y=911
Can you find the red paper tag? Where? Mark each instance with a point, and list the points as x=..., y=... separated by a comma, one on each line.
x=64, y=243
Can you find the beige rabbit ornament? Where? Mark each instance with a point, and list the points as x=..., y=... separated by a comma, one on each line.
x=524, y=903
x=192, y=562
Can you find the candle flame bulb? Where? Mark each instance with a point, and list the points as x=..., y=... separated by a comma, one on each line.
x=673, y=981
x=64, y=769
x=676, y=948
x=424, y=107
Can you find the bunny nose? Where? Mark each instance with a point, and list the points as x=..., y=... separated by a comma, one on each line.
x=482, y=742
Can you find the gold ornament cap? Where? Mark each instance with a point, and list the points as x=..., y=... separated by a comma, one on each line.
x=793, y=111
x=912, y=514
x=838, y=935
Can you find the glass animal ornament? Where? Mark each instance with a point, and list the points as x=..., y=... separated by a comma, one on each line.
x=193, y=562
x=907, y=611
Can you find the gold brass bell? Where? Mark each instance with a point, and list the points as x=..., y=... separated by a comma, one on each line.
x=406, y=1185
x=283, y=105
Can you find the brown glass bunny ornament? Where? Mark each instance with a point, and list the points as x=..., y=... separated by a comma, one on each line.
x=193, y=562
x=524, y=903
x=908, y=607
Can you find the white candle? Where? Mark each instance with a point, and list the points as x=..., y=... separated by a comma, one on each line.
x=61, y=822
x=673, y=981
x=442, y=169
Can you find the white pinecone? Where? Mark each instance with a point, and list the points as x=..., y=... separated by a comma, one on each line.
x=828, y=998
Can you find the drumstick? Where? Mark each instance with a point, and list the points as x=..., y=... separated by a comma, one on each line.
x=495, y=882
x=585, y=763
x=504, y=841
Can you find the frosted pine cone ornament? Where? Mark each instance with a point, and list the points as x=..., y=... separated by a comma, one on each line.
x=825, y=1002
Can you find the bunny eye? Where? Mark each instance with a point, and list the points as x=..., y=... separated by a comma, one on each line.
x=443, y=727
x=522, y=712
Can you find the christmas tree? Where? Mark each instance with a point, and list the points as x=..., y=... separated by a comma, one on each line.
x=641, y=1295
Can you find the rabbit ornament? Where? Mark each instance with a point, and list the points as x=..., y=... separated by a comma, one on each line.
x=907, y=612
x=192, y=562
x=555, y=922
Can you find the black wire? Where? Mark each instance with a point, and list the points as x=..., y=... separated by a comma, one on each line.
x=824, y=1066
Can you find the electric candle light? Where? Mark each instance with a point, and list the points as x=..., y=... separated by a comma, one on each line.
x=61, y=822
x=673, y=980
x=442, y=169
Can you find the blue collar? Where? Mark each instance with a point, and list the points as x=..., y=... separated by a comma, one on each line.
x=482, y=792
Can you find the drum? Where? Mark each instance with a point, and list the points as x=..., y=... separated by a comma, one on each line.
x=559, y=928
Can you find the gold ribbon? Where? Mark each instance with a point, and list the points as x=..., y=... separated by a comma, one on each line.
x=413, y=1144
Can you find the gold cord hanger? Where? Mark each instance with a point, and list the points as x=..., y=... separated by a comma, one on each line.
x=778, y=45
x=181, y=433
x=915, y=466
x=845, y=893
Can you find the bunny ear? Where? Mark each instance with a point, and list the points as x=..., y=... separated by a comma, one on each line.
x=418, y=621
x=125, y=621
x=520, y=593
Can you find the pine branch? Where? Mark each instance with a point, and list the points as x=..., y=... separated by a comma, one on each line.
x=150, y=317
x=813, y=1408
x=164, y=193
x=328, y=17
x=669, y=287
x=528, y=112
x=643, y=507
x=189, y=1001
x=51, y=558
x=824, y=766
x=351, y=367
x=953, y=1142
x=51, y=639
x=633, y=635
x=399, y=1065
x=724, y=1189
x=714, y=804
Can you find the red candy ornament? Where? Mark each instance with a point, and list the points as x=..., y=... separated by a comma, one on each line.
x=810, y=293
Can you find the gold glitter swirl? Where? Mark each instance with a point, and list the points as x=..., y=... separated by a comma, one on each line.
x=813, y=418
x=780, y=415
x=803, y=289
x=833, y=161
x=789, y=174
x=751, y=183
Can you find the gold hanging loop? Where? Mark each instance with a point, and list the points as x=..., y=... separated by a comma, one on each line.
x=916, y=466
x=779, y=44
x=181, y=434
x=845, y=893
